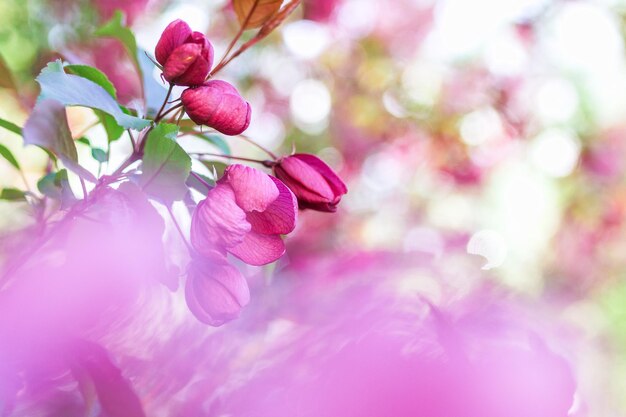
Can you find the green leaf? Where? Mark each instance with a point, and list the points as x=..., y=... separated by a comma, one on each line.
x=46, y=186
x=166, y=165
x=47, y=128
x=196, y=184
x=84, y=141
x=93, y=74
x=56, y=185
x=12, y=194
x=6, y=153
x=10, y=126
x=113, y=130
x=116, y=29
x=99, y=155
x=72, y=90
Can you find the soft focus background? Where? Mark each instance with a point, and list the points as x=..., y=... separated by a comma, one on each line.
x=484, y=140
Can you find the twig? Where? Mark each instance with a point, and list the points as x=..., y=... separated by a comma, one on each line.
x=266, y=163
x=180, y=231
x=165, y=113
x=83, y=186
x=258, y=145
x=222, y=62
x=199, y=178
x=167, y=96
x=86, y=129
x=132, y=140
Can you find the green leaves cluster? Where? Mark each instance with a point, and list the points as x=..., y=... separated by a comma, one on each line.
x=74, y=90
x=166, y=165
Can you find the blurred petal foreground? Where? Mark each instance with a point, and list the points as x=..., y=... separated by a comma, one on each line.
x=408, y=208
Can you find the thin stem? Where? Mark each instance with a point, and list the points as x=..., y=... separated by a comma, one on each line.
x=108, y=156
x=258, y=145
x=180, y=117
x=238, y=52
x=180, y=231
x=266, y=162
x=223, y=62
x=83, y=186
x=230, y=46
x=132, y=140
x=134, y=157
x=165, y=113
x=167, y=96
x=175, y=115
x=246, y=138
x=159, y=66
x=86, y=129
x=199, y=178
x=265, y=30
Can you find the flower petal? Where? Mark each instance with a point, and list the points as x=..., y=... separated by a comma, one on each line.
x=257, y=249
x=174, y=35
x=254, y=189
x=195, y=74
x=218, y=223
x=327, y=207
x=335, y=182
x=215, y=291
x=280, y=216
x=304, y=180
x=182, y=60
x=207, y=48
x=218, y=104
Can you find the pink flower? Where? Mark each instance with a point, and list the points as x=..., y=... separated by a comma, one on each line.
x=315, y=184
x=244, y=214
x=186, y=56
x=217, y=104
x=215, y=290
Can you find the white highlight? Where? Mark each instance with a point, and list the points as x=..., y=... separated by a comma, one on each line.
x=555, y=152
x=358, y=17
x=556, y=101
x=306, y=39
x=481, y=126
x=490, y=245
x=310, y=105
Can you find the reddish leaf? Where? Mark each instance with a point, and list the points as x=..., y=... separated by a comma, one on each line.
x=254, y=13
x=278, y=18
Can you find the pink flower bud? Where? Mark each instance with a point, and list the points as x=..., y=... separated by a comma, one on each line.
x=217, y=104
x=314, y=183
x=244, y=214
x=215, y=291
x=186, y=56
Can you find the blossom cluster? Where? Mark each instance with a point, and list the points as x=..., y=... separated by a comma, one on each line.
x=247, y=211
x=187, y=58
x=245, y=215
